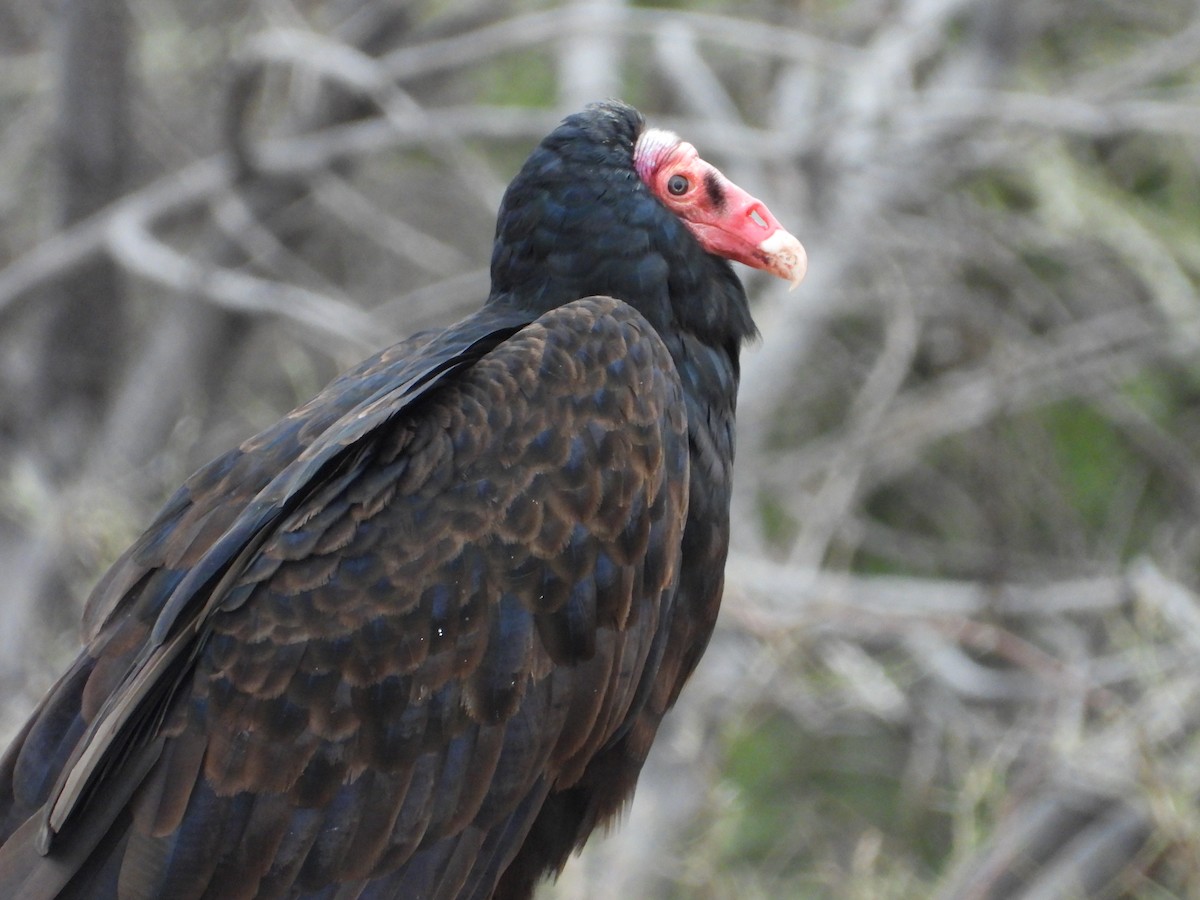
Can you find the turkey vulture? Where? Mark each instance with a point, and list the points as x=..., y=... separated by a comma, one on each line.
x=415, y=639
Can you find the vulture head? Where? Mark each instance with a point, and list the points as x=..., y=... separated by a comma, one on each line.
x=607, y=206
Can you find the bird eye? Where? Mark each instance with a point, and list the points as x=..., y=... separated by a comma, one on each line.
x=677, y=185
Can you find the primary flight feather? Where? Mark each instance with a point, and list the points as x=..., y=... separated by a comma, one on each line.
x=415, y=639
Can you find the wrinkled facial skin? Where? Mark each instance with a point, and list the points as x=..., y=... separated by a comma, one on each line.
x=726, y=220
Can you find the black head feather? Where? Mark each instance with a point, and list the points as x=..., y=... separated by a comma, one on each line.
x=577, y=221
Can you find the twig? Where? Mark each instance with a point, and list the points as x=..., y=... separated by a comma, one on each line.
x=589, y=60
x=339, y=198
x=1077, y=360
x=133, y=245
x=520, y=32
x=830, y=503
x=792, y=595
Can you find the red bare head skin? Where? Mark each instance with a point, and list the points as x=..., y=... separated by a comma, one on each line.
x=725, y=219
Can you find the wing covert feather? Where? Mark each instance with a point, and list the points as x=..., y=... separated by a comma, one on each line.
x=416, y=651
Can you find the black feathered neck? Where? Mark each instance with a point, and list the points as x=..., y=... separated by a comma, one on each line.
x=577, y=221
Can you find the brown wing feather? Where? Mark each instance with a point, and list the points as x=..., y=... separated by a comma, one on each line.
x=423, y=648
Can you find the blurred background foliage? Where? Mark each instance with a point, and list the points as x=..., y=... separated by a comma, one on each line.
x=958, y=655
